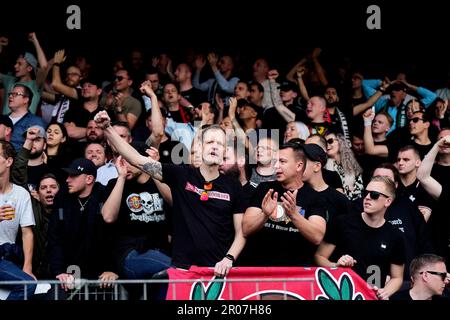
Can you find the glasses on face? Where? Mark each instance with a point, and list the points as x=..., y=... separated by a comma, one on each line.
x=443, y=275
x=15, y=94
x=330, y=141
x=74, y=74
x=374, y=195
x=415, y=120
x=119, y=78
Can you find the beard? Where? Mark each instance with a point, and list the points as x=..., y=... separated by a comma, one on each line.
x=36, y=154
x=233, y=171
x=332, y=104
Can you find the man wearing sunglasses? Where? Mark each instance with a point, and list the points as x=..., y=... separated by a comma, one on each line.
x=428, y=277
x=366, y=242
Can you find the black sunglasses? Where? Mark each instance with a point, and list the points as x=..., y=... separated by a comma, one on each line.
x=374, y=195
x=415, y=120
x=330, y=141
x=443, y=275
x=119, y=78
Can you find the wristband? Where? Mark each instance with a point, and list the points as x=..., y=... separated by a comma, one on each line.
x=367, y=123
x=230, y=257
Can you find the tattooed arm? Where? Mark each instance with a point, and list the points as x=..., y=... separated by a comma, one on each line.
x=146, y=164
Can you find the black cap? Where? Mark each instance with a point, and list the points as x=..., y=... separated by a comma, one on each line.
x=287, y=86
x=315, y=153
x=80, y=166
x=245, y=103
x=6, y=120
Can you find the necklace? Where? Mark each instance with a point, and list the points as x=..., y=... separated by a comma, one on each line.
x=83, y=205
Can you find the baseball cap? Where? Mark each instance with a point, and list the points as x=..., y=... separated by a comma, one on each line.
x=315, y=153
x=6, y=120
x=287, y=86
x=31, y=60
x=42, y=133
x=245, y=103
x=80, y=166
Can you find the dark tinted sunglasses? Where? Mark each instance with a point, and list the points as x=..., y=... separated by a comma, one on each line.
x=443, y=275
x=374, y=195
x=330, y=141
x=415, y=120
x=119, y=78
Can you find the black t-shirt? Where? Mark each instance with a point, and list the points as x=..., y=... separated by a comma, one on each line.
x=203, y=231
x=402, y=295
x=332, y=178
x=404, y=215
x=35, y=173
x=416, y=194
x=273, y=120
x=165, y=150
x=279, y=242
x=335, y=202
x=194, y=96
x=369, y=246
x=141, y=224
x=440, y=225
x=80, y=116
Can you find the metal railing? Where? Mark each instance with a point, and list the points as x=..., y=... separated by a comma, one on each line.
x=82, y=289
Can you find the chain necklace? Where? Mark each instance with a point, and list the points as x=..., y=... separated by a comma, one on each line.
x=83, y=205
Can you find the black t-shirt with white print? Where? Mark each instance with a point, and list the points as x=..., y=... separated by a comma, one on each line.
x=203, y=231
x=279, y=242
x=369, y=246
x=141, y=224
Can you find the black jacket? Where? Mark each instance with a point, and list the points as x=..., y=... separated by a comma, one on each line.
x=79, y=238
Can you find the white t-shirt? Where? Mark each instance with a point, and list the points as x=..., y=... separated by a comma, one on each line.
x=20, y=199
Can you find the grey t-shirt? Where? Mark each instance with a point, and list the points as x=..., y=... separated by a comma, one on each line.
x=20, y=199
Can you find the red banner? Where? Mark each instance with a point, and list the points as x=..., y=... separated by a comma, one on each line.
x=271, y=283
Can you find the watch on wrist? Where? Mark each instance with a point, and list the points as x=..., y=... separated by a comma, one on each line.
x=230, y=257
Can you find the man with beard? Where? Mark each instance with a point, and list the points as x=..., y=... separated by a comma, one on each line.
x=137, y=205
x=36, y=163
x=337, y=116
x=93, y=132
x=207, y=210
x=96, y=153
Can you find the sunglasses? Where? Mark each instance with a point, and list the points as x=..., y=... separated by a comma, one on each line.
x=443, y=275
x=207, y=187
x=374, y=195
x=330, y=141
x=119, y=78
x=415, y=120
x=15, y=94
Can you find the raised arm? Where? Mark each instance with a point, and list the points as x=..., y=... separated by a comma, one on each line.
x=57, y=83
x=291, y=74
x=372, y=100
x=318, y=67
x=369, y=145
x=146, y=164
x=157, y=119
x=41, y=73
x=110, y=210
x=433, y=187
x=284, y=112
x=301, y=83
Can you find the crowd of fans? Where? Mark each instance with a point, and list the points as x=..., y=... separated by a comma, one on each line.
x=185, y=164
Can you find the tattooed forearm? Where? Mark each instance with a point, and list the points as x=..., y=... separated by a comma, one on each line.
x=153, y=168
